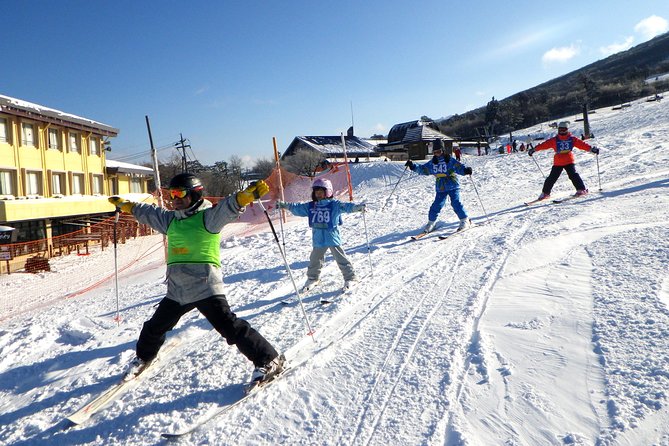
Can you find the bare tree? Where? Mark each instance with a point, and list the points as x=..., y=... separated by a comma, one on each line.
x=303, y=162
x=263, y=167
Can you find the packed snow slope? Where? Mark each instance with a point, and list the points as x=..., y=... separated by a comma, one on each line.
x=545, y=325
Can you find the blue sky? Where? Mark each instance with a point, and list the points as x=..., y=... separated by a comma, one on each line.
x=230, y=75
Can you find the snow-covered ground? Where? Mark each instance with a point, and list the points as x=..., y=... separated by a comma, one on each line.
x=547, y=326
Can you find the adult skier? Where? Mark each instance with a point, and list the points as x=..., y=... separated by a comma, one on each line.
x=563, y=144
x=194, y=275
x=444, y=167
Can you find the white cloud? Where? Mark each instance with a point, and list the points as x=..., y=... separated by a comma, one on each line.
x=561, y=54
x=652, y=26
x=201, y=90
x=617, y=47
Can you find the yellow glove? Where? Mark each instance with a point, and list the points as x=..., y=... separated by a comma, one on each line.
x=255, y=190
x=121, y=203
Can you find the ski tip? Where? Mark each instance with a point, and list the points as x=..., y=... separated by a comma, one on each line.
x=170, y=435
x=68, y=424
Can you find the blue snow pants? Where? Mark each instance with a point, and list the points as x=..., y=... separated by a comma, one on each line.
x=440, y=200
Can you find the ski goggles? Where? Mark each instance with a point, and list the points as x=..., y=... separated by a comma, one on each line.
x=178, y=193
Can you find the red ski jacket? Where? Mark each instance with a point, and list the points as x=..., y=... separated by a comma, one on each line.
x=563, y=146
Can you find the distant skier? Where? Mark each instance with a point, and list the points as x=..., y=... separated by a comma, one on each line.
x=444, y=168
x=194, y=276
x=563, y=144
x=324, y=214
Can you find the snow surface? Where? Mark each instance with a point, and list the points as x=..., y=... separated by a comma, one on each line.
x=547, y=326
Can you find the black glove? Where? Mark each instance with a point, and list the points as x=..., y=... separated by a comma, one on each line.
x=530, y=151
x=594, y=150
x=409, y=164
x=468, y=170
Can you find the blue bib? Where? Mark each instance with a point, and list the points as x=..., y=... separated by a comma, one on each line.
x=564, y=146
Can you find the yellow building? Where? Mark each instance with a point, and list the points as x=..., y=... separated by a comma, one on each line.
x=53, y=171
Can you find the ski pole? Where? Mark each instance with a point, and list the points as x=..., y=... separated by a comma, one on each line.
x=538, y=167
x=598, y=176
x=397, y=184
x=480, y=201
x=369, y=251
x=283, y=237
x=116, y=217
x=290, y=273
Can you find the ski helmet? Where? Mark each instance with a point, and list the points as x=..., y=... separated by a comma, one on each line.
x=324, y=184
x=563, y=125
x=189, y=182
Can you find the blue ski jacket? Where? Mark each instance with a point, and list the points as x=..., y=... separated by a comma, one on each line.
x=324, y=219
x=444, y=171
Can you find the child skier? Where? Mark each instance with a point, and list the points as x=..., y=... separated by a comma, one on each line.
x=443, y=167
x=324, y=214
x=563, y=144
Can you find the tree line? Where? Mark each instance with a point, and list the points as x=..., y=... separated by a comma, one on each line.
x=618, y=79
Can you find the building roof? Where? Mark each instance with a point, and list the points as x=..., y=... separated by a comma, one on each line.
x=413, y=131
x=40, y=113
x=331, y=145
x=114, y=167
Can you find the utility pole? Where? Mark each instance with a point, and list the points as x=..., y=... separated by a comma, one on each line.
x=181, y=145
x=154, y=157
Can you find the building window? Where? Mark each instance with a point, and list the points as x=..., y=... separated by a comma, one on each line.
x=5, y=133
x=78, y=183
x=33, y=183
x=95, y=146
x=27, y=135
x=96, y=182
x=54, y=139
x=74, y=142
x=136, y=185
x=7, y=181
x=61, y=227
x=58, y=184
x=28, y=231
x=113, y=185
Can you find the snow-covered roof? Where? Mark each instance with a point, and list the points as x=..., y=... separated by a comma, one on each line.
x=413, y=131
x=331, y=146
x=119, y=166
x=39, y=112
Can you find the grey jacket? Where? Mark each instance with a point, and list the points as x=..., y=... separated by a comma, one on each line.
x=190, y=282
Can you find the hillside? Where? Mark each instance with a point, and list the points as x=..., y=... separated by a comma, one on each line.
x=616, y=79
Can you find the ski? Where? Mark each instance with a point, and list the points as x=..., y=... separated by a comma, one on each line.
x=250, y=391
x=419, y=236
x=533, y=202
x=423, y=234
x=326, y=300
x=570, y=197
x=445, y=236
x=343, y=292
x=306, y=290
x=120, y=387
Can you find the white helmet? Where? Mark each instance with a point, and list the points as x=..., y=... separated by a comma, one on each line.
x=325, y=184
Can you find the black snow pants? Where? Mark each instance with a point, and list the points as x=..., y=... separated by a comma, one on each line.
x=556, y=171
x=217, y=311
